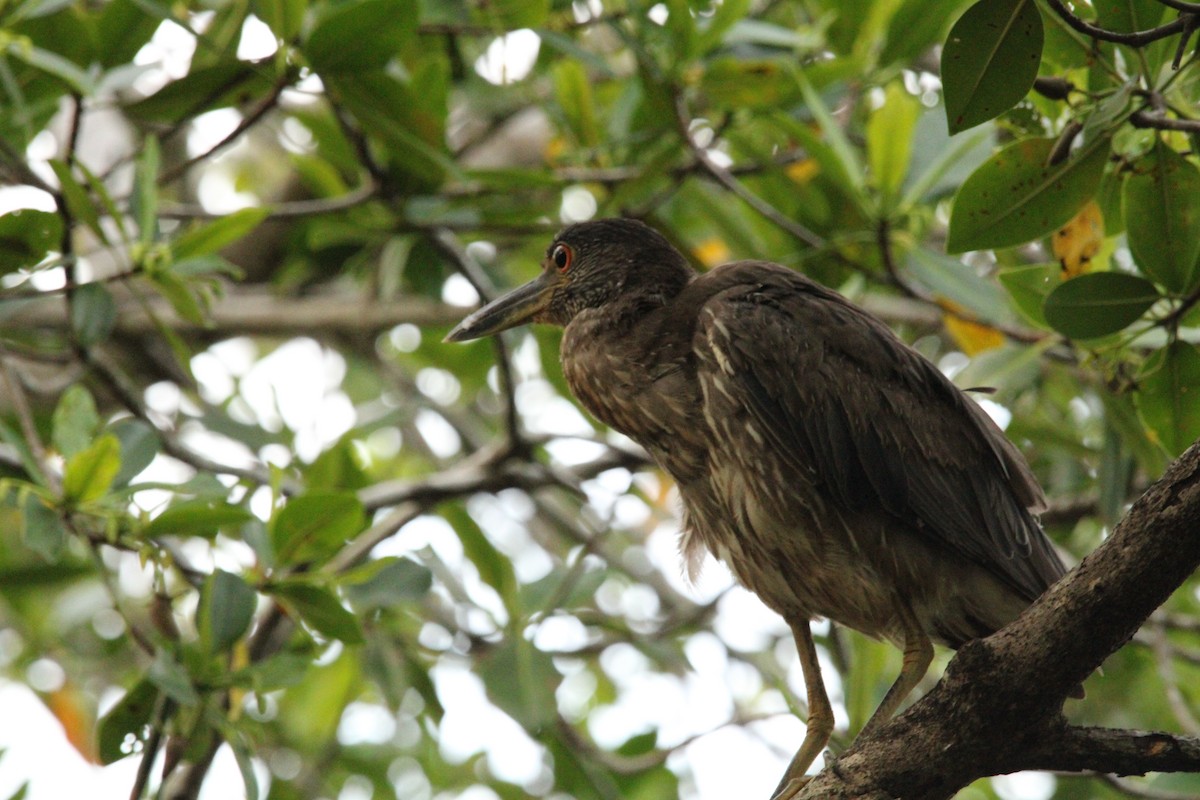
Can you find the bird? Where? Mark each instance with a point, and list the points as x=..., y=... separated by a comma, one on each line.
x=836, y=471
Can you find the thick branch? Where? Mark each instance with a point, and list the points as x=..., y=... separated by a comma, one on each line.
x=999, y=707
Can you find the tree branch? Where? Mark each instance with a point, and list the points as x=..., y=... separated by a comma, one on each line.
x=1134, y=39
x=998, y=709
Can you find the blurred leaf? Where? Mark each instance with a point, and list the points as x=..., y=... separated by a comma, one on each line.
x=521, y=680
x=70, y=707
x=1168, y=396
x=90, y=472
x=283, y=17
x=916, y=26
x=320, y=608
x=93, y=313
x=139, y=445
x=225, y=611
x=360, y=35
x=494, y=567
x=312, y=527
x=209, y=237
x=310, y=711
x=224, y=84
x=1029, y=285
x=574, y=95
x=723, y=19
x=26, y=236
x=123, y=27
x=75, y=421
x=1161, y=202
x=125, y=722
x=386, y=583
x=78, y=202
x=971, y=337
x=953, y=280
x=1077, y=242
x=197, y=517
x=1016, y=196
x=1098, y=304
x=990, y=60
x=889, y=139
x=144, y=203
x=170, y=676
x=42, y=528
x=73, y=77
x=507, y=15
x=245, y=762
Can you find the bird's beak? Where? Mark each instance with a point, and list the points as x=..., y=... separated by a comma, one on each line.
x=519, y=306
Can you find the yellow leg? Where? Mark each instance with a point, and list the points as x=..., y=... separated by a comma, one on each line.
x=820, y=716
x=918, y=652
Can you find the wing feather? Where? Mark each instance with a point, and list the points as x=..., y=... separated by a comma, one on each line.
x=848, y=406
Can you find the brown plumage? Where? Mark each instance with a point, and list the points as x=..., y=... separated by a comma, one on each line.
x=835, y=470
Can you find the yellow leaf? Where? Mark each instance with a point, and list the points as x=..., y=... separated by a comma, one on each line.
x=712, y=252
x=1077, y=242
x=803, y=171
x=67, y=706
x=555, y=149
x=972, y=338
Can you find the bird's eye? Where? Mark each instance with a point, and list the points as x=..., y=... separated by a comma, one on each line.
x=562, y=256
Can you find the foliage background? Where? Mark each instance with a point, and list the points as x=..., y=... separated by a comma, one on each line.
x=250, y=497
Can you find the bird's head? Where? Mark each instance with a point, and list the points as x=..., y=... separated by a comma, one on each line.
x=588, y=265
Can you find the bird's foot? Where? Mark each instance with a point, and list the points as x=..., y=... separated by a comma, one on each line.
x=792, y=788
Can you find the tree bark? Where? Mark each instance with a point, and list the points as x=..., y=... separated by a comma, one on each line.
x=998, y=709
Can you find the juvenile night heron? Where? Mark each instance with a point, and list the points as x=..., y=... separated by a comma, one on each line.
x=837, y=472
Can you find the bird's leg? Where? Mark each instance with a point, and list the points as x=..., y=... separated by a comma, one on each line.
x=819, y=724
x=918, y=652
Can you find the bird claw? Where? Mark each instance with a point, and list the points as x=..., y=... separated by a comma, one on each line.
x=792, y=788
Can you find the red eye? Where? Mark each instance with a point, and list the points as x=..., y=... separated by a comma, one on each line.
x=562, y=257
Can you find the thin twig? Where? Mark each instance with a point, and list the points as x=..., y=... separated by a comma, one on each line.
x=1135, y=39
x=723, y=177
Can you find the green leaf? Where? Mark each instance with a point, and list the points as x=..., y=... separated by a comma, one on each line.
x=950, y=279
x=42, y=528
x=314, y=526
x=203, y=89
x=170, y=676
x=226, y=609
x=78, y=202
x=1029, y=286
x=1168, y=396
x=283, y=17
x=521, y=680
x=1015, y=196
x=26, y=236
x=890, y=139
x=144, y=202
x=139, y=445
x=1098, y=304
x=93, y=313
x=209, y=237
x=77, y=80
x=360, y=35
x=386, y=583
x=179, y=294
x=726, y=15
x=320, y=609
x=75, y=421
x=494, y=567
x=990, y=60
x=198, y=517
x=574, y=94
x=90, y=472
x=1161, y=206
x=125, y=722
